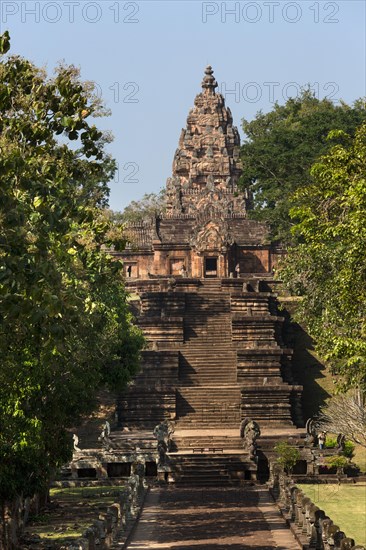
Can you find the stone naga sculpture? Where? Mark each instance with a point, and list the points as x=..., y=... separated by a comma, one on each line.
x=311, y=433
x=162, y=432
x=104, y=436
x=249, y=432
x=76, y=442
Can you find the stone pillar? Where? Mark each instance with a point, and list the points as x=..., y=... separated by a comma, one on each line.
x=305, y=503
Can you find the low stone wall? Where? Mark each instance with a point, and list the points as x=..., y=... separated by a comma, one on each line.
x=116, y=523
x=310, y=525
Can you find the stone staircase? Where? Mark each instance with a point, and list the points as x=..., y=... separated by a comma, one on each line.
x=210, y=469
x=208, y=394
x=187, y=443
x=207, y=354
x=216, y=357
x=208, y=406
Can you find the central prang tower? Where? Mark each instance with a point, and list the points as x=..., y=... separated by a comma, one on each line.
x=206, y=165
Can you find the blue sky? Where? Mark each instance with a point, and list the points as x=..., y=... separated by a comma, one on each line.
x=148, y=60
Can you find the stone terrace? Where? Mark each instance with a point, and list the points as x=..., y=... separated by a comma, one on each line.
x=215, y=358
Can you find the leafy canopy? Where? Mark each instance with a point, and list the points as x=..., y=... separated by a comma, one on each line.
x=65, y=325
x=149, y=206
x=327, y=269
x=281, y=147
x=287, y=455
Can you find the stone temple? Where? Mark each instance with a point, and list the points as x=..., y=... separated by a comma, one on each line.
x=205, y=228
x=215, y=371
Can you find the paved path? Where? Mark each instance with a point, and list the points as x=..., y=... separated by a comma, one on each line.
x=209, y=518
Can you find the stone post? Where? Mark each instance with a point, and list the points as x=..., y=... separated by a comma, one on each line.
x=292, y=503
x=347, y=544
x=338, y=537
x=299, y=497
x=319, y=515
x=304, y=504
x=89, y=535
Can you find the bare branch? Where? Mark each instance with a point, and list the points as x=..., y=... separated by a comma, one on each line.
x=345, y=414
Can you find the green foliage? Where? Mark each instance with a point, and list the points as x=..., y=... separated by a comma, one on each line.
x=4, y=43
x=337, y=461
x=150, y=206
x=330, y=443
x=349, y=449
x=281, y=147
x=65, y=325
x=327, y=269
x=287, y=455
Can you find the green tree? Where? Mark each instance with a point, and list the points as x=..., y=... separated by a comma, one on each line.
x=339, y=462
x=149, y=206
x=281, y=147
x=65, y=324
x=287, y=456
x=327, y=269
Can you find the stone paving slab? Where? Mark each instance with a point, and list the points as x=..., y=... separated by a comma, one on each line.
x=211, y=518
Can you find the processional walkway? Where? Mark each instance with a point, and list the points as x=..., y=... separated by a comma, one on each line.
x=211, y=518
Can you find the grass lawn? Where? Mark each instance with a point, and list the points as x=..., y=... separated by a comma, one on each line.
x=73, y=510
x=344, y=504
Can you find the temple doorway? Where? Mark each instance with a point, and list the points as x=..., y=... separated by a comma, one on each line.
x=210, y=267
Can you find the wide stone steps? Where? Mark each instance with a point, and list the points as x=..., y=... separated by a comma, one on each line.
x=267, y=404
x=201, y=339
x=210, y=363
x=207, y=357
x=208, y=405
x=200, y=353
x=204, y=394
x=202, y=327
x=209, y=328
x=229, y=360
x=196, y=379
x=200, y=372
x=129, y=440
x=143, y=407
x=210, y=469
x=205, y=443
x=200, y=350
x=207, y=394
x=202, y=377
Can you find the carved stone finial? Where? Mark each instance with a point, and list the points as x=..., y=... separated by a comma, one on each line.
x=209, y=82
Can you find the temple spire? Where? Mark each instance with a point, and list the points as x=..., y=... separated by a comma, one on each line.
x=207, y=160
x=209, y=82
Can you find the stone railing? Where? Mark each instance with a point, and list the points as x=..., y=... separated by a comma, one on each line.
x=311, y=526
x=116, y=522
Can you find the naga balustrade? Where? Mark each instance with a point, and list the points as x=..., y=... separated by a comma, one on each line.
x=116, y=522
x=309, y=522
